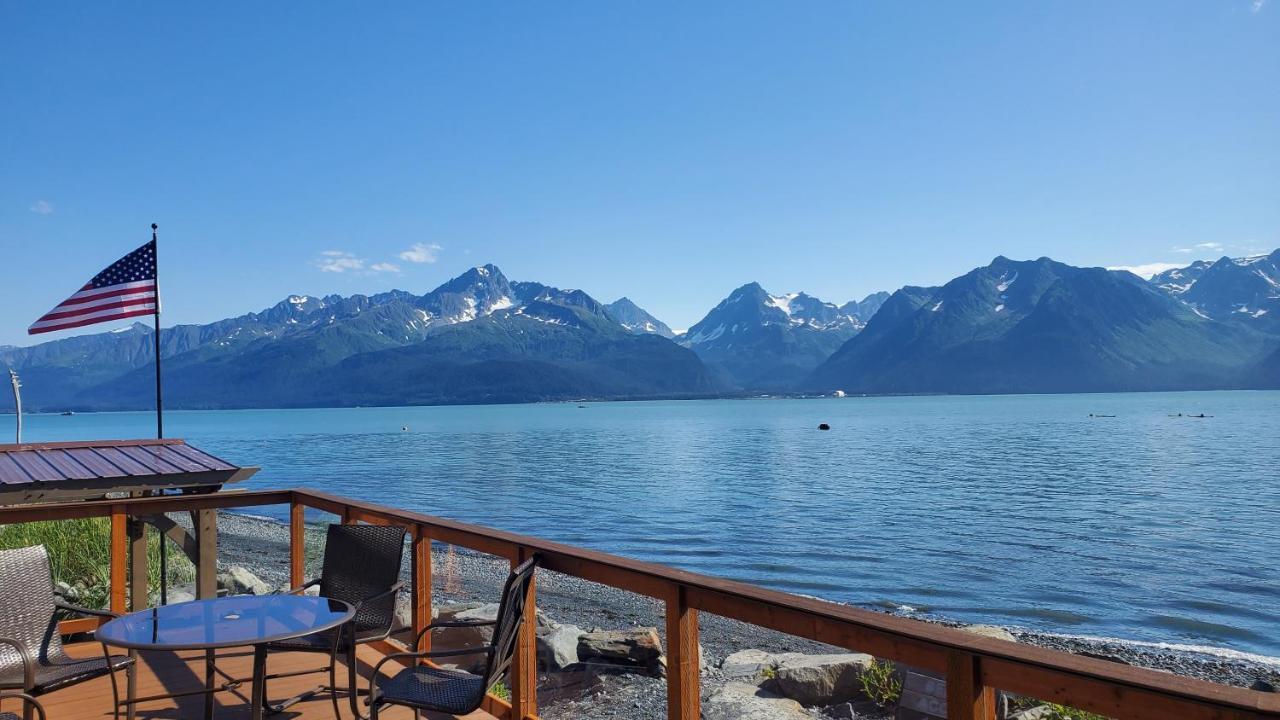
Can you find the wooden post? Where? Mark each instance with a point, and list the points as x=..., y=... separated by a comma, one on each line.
x=138, y=584
x=421, y=585
x=683, y=681
x=207, y=548
x=119, y=558
x=524, y=666
x=967, y=698
x=297, y=544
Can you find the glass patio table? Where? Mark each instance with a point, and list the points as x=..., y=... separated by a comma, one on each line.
x=234, y=621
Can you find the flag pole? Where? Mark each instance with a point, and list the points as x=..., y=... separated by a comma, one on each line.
x=164, y=554
x=159, y=393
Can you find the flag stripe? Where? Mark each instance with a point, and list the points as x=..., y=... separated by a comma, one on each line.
x=96, y=310
x=87, y=296
x=126, y=288
x=38, y=328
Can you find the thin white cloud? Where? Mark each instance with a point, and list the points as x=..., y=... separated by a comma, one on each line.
x=1200, y=247
x=1148, y=270
x=1257, y=6
x=421, y=253
x=42, y=207
x=337, y=261
x=385, y=267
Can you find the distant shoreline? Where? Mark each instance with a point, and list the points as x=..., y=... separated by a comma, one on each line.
x=671, y=398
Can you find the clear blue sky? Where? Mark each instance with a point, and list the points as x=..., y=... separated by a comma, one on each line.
x=664, y=151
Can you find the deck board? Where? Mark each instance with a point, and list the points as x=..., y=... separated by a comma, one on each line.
x=168, y=672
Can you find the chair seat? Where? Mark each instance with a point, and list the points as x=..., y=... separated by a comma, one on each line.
x=63, y=672
x=428, y=688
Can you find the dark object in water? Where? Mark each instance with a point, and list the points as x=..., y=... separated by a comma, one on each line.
x=68, y=413
x=1100, y=416
x=823, y=426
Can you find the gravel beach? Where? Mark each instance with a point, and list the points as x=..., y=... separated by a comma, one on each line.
x=459, y=576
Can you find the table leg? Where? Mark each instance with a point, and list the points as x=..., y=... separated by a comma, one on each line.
x=209, y=666
x=259, y=671
x=131, y=686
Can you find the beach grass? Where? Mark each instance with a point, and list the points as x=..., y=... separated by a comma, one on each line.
x=80, y=553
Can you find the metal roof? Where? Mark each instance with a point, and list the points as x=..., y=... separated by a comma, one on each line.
x=32, y=472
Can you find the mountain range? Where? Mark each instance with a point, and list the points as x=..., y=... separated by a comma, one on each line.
x=1007, y=327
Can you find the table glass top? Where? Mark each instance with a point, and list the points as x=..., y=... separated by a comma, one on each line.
x=225, y=622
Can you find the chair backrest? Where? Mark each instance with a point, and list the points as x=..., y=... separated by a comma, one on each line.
x=26, y=606
x=510, y=618
x=361, y=561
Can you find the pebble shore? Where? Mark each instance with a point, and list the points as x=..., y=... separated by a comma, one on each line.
x=459, y=575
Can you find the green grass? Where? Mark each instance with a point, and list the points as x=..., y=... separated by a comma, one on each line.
x=501, y=690
x=881, y=684
x=80, y=553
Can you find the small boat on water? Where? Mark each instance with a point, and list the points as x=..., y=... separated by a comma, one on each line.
x=67, y=412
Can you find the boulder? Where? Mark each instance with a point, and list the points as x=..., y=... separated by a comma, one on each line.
x=751, y=663
x=638, y=647
x=404, y=614
x=741, y=701
x=991, y=631
x=180, y=596
x=821, y=679
x=240, y=581
x=558, y=646
x=1039, y=712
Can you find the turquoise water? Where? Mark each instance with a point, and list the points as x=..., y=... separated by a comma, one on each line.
x=1018, y=510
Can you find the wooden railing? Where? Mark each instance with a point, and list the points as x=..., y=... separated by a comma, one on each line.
x=974, y=666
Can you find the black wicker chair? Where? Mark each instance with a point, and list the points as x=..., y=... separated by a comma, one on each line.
x=424, y=687
x=28, y=704
x=362, y=567
x=32, y=658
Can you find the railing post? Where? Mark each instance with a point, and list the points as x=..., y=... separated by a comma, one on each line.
x=683, y=679
x=138, y=584
x=119, y=558
x=421, y=585
x=207, y=554
x=967, y=697
x=524, y=666
x=297, y=544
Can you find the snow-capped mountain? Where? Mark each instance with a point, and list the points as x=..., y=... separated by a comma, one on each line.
x=1039, y=326
x=486, y=339
x=866, y=308
x=1243, y=289
x=766, y=342
x=636, y=319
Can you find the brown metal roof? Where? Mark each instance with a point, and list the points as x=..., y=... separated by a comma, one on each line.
x=31, y=472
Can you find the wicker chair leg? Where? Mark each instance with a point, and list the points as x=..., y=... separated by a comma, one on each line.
x=333, y=684
x=115, y=686
x=353, y=690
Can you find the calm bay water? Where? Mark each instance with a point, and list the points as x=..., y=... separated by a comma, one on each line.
x=1018, y=510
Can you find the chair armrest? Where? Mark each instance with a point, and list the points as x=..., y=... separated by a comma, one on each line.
x=77, y=610
x=300, y=589
x=26, y=700
x=451, y=624
x=28, y=662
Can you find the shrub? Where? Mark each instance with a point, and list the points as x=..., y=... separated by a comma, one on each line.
x=501, y=690
x=880, y=683
x=80, y=554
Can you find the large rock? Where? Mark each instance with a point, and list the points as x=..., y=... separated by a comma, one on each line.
x=821, y=679
x=638, y=647
x=558, y=646
x=741, y=701
x=752, y=663
x=240, y=581
x=404, y=614
x=991, y=631
x=464, y=638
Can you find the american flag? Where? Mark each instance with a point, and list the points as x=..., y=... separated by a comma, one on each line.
x=127, y=288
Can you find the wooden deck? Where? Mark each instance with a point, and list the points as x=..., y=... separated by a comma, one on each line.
x=170, y=672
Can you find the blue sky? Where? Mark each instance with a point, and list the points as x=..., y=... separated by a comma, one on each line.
x=664, y=151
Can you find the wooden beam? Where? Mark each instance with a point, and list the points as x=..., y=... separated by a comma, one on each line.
x=138, y=581
x=297, y=544
x=967, y=697
x=207, y=548
x=421, y=585
x=683, y=681
x=524, y=666
x=119, y=558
